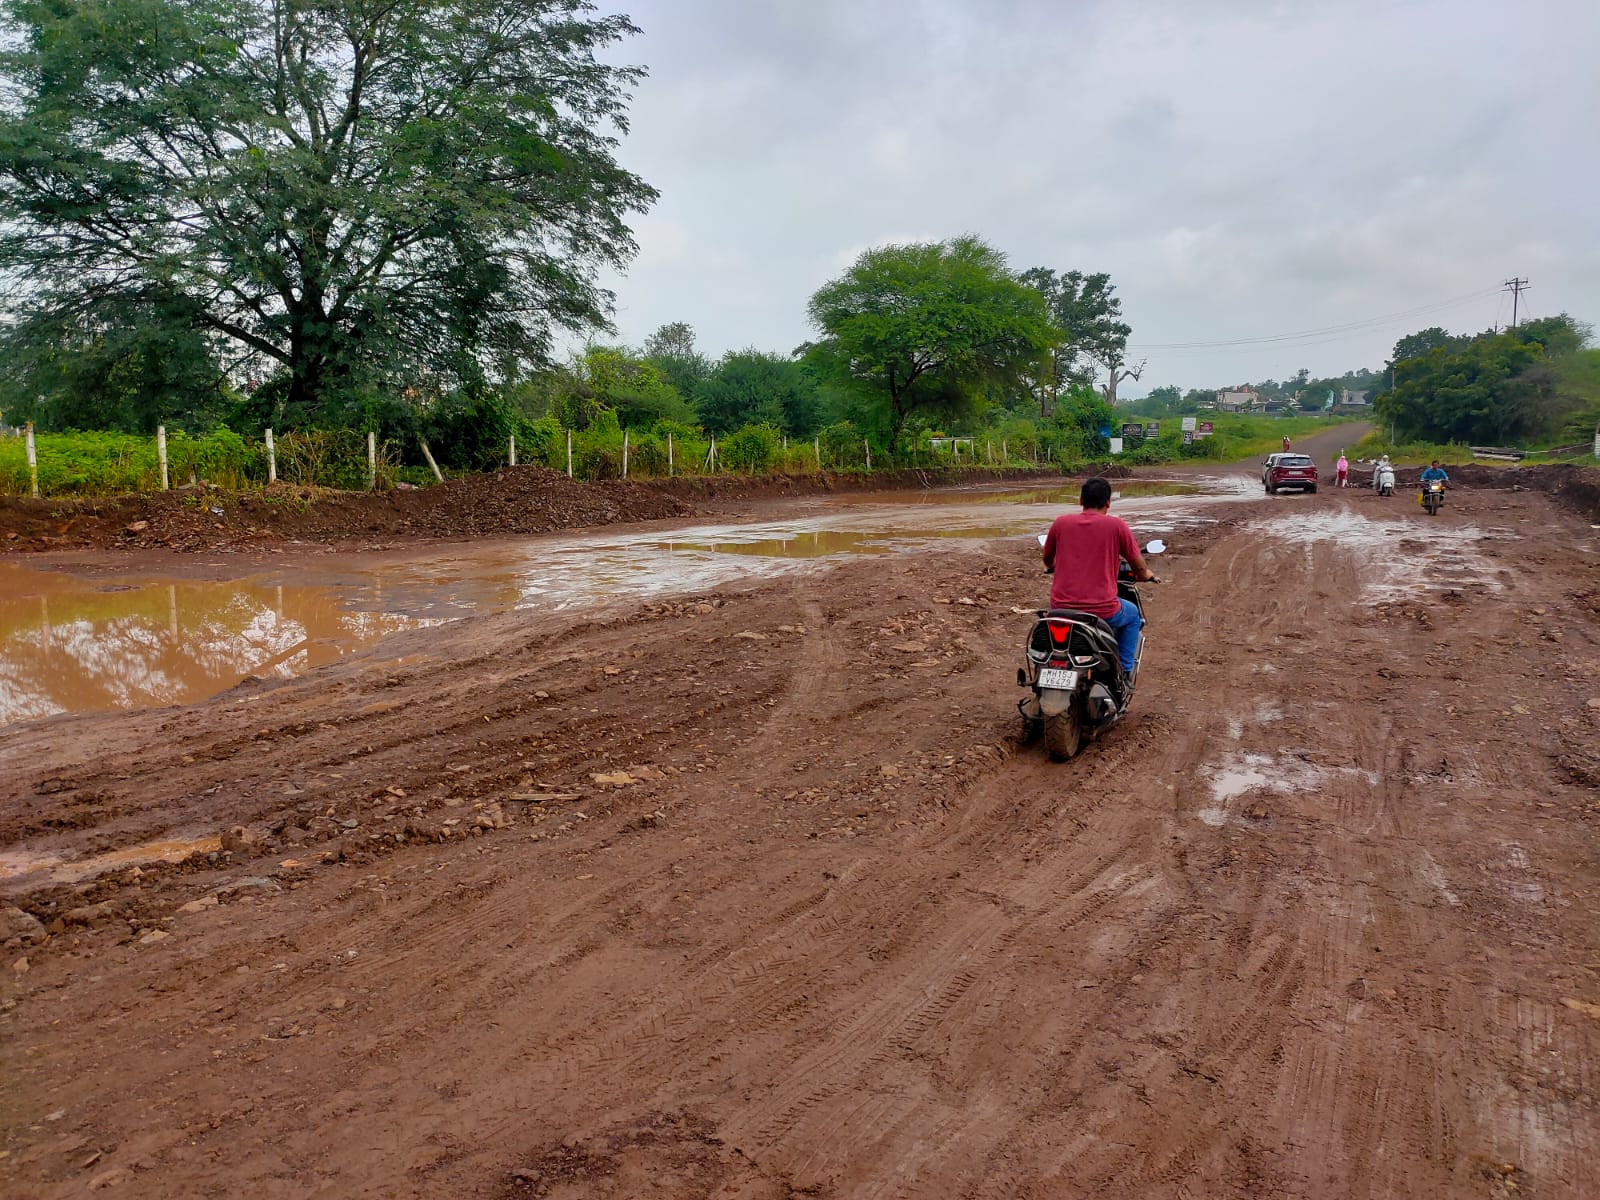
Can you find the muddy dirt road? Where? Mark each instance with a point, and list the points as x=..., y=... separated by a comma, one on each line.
x=751, y=894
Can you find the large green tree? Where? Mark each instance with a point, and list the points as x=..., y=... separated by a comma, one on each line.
x=927, y=327
x=1508, y=387
x=612, y=378
x=1094, y=336
x=753, y=387
x=348, y=192
x=672, y=352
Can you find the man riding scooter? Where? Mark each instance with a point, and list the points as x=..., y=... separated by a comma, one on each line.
x=1083, y=551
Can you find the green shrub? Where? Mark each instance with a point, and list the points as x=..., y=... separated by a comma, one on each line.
x=753, y=449
x=842, y=446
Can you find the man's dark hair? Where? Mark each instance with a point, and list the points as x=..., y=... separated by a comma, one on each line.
x=1096, y=493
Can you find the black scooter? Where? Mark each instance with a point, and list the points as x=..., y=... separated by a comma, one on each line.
x=1072, y=669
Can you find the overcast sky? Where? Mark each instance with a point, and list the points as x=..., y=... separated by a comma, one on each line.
x=1243, y=169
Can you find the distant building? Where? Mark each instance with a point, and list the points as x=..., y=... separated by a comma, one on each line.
x=1356, y=399
x=1239, y=401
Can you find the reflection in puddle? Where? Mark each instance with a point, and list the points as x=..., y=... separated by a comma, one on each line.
x=71, y=644
x=32, y=869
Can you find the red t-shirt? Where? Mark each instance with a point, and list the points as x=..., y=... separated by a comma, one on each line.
x=1087, y=547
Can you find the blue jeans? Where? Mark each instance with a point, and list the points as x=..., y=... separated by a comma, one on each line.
x=1126, y=625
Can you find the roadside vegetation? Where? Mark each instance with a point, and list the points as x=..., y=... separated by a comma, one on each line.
x=106, y=464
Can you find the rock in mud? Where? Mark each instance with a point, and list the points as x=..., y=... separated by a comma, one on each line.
x=88, y=914
x=15, y=923
x=241, y=838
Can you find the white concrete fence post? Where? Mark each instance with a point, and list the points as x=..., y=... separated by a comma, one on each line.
x=372, y=460
x=868, y=446
x=438, y=475
x=272, y=459
x=670, y=465
x=33, y=462
x=816, y=449
x=512, y=456
x=161, y=454
x=569, y=454
x=624, y=453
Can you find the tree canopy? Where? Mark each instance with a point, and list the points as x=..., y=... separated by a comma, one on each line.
x=353, y=193
x=1493, y=388
x=928, y=326
x=752, y=387
x=1093, y=335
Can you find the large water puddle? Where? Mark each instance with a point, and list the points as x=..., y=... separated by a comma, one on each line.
x=69, y=643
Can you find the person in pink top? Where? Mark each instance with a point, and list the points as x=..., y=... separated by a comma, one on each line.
x=1342, y=471
x=1084, y=550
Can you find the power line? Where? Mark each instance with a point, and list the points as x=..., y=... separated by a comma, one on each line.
x=1326, y=333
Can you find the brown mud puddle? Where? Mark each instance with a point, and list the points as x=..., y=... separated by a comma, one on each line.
x=72, y=643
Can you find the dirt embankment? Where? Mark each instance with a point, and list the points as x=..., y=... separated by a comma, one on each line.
x=510, y=502
x=1572, y=487
x=754, y=894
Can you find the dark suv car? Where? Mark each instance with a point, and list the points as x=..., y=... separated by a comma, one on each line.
x=1289, y=470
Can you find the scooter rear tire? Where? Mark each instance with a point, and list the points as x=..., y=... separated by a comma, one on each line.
x=1063, y=733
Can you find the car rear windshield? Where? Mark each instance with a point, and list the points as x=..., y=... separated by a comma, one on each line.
x=1294, y=460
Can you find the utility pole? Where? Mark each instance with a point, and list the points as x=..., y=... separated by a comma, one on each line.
x=1516, y=287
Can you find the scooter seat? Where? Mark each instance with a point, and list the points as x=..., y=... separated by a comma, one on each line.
x=1082, y=618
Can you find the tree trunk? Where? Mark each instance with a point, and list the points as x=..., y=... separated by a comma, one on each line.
x=309, y=360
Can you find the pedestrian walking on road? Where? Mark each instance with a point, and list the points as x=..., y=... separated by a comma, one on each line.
x=1342, y=471
x=1286, y=443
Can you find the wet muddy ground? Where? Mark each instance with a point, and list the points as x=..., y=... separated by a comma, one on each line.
x=80, y=635
x=749, y=891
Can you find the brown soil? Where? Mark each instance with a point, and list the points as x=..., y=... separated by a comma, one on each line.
x=512, y=500
x=754, y=895
x=509, y=502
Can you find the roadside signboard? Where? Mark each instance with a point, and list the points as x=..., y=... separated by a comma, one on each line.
x=1188, y=424
x=1132, y=431
x=1188, y=437
x=1203, y=429
x=1116, y=445
x=1152, y=429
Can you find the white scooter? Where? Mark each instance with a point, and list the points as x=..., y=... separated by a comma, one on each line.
x=1383, y=479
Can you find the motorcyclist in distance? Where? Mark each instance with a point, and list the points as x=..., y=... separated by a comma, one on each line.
x=1435, y=471
x=1379, y=467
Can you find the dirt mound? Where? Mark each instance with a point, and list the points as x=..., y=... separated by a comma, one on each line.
x=1573, y=487
x=750, y=487
x=511, y=501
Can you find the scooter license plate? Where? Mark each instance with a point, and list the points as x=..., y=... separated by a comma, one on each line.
x=1055, y=677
